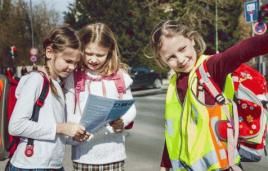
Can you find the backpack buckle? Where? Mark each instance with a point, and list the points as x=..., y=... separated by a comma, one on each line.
x=29, y=150
x=120, y=89
x=265, y=104
x=39, y=102
x=220, y=99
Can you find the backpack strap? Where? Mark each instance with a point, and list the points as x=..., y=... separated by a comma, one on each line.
x=40, y=101
x=118, y=78
x=121, y=89
x=35, y=114
x=120, y=83
x=233, y=124
x=208, y=83
x=79, y=77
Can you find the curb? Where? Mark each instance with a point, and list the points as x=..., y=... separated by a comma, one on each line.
x=148, y=92
x=162, y=90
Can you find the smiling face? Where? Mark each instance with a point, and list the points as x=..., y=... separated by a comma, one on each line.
x=63, y=63
x=95, y=56
x=178, y=53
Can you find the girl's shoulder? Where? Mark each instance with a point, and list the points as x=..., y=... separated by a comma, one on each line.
x=125, y=76
x=32, y=81
x=36, y=77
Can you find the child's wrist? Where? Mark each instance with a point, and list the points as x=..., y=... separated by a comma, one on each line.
x=60, y=128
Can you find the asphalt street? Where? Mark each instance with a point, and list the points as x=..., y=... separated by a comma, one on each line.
x=145, y=141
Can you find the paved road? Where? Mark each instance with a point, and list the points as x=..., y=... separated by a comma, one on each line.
x=145, y=141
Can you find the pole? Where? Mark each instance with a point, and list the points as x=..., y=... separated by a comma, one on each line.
x=216, y=27
x=31, y=22
x=261, y=63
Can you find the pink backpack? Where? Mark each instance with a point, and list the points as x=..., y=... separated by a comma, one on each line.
x=80, y=77
x=251, y=101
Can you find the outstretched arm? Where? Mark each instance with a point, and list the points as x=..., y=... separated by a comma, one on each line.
x=220, y=65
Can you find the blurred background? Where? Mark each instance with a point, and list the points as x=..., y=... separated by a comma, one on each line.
x=24, y=23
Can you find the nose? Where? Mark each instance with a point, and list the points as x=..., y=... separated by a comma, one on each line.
x=180, y=58
x=93, y=58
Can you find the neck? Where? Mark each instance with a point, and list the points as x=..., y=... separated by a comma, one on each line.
x=93, y=72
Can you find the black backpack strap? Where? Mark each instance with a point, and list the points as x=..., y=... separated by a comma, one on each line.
x=40, y=101
x=35, y=115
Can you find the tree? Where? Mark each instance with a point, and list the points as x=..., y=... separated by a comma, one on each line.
x=128, y=19
x=200, y=15
x=15, y=29
x=133, y=21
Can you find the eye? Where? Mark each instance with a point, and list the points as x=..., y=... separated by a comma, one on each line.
x=89, y=54
x=69, y=61
x=182, y=49
x=171, y=57
x=101, y=55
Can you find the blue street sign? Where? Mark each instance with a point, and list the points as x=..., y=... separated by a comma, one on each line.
x=251, y=11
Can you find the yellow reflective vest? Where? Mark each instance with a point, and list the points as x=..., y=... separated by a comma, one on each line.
x=190, y=134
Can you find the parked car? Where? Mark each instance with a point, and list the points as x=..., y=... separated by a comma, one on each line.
x=144, y=77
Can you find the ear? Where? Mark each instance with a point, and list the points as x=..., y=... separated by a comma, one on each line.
x=49, y=52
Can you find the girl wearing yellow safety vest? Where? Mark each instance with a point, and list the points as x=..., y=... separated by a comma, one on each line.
x=191, y=112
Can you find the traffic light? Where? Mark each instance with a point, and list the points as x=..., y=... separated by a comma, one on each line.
x=263, y=17
x=13, y=52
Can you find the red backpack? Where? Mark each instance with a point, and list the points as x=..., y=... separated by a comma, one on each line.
x=8, y=143
x=251, y=100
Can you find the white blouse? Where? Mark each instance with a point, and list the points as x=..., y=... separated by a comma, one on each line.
x=105, y=146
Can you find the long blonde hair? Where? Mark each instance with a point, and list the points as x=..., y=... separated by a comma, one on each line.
x=101, y=34
x=172, y=28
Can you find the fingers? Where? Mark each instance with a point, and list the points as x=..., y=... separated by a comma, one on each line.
x=118, y=121
x=118, y=130
x=81, y=130
x=117, y=125
x=83, y=137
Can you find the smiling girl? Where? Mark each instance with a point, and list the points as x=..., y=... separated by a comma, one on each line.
x=189, y=139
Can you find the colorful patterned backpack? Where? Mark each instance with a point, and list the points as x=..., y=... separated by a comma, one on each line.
x=250, y=97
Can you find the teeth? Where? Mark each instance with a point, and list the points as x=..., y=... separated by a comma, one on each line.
x=183, y=65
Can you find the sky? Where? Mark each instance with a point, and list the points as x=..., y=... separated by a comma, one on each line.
x=58, y=5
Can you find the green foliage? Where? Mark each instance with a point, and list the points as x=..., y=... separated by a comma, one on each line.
x=133, y=21
x=15, y=29
x=129, y=20
x=200, y=15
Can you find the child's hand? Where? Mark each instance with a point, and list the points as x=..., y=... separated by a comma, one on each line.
x=117, y=125
x=71, y=129
x=82, y=137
